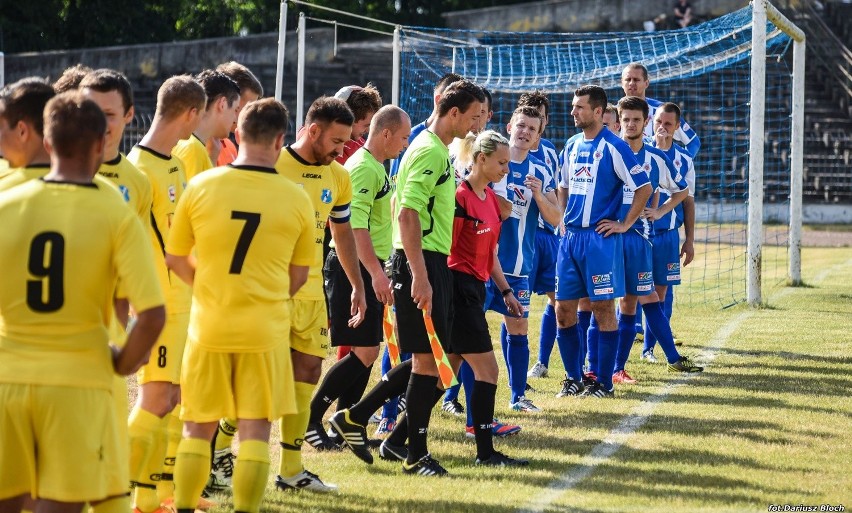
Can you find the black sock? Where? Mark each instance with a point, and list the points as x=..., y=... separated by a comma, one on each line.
x=355, y=390
x=338, y=377
x=392, y=384
x=420, y=400
x=400, y=432
x=482, y=408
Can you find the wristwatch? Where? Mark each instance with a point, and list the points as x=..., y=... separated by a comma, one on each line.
x=507, y=291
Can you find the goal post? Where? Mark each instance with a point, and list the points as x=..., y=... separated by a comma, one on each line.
x=762, y=11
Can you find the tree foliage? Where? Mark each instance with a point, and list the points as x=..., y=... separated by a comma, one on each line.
x=40, y=25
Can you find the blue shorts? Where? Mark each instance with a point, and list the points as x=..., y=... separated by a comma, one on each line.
x=589, y=265
x=638, y=256
x=494, y=298
x=667, y=258
x=543, y=274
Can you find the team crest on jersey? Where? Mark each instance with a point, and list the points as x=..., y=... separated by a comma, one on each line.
x=125, y=192
x=685, y=126
x=325, y=196
x=643, y=276
x=674, y=266
x=172, y=193
x=677, y=163
x=647, y=167
x=598, y=155
x=600, y=279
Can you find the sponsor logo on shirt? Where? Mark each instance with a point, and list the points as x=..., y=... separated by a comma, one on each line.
x=172, y=193
x=173, y=170
x=600, y=279
x=674, y=266
x=484, y=230
x=583, y=171
x=635, y=170
x=601, y=292
x=363, y=191
x=583, y=154
x=516, y=175
x=678, y=177
x=643, y=288
x=325, y=197
x=311, y=175
x=108, y=174
x=523, y=294
x=673, y=277
x=125, y=192
x=644, y=276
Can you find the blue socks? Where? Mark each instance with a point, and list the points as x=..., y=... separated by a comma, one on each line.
x=518, y=359
x=568, y=340
x=584, y=319
x=668, y=304
x=592, y=340
x=608, y=345
x=467, y=379
x=626, y=334
x=548, y=335
x=504, y=343
x=452, y=393
x=639, y=324
x=657, y=323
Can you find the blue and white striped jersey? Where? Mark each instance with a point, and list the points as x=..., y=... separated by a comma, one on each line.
x=516, y=248
x=546, y=152
x=683, y=167
x=661, y=174
x=594, y=172
x=684, y=135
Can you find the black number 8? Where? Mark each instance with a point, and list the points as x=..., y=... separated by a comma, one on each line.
x=161, y=357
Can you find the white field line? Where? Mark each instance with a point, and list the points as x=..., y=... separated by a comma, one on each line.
x=640, y=414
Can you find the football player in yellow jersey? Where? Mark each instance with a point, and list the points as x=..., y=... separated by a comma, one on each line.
x=253, y=253
x=22, y=128
x=220, y=114
x=111, y=91
x=60, y=270
x=310, y=163
x=223, y=152
x=180, y=101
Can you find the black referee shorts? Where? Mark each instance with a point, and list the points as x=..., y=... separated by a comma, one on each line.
x=412, y=330
x=470, y=329
x=338, y=292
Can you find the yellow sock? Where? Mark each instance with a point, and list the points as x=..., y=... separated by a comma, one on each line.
x=250, y=474
x=113, y=505
x=293, y=429
x=166, y=486
x=225, y=434
x=192, y=469
x=147, y=434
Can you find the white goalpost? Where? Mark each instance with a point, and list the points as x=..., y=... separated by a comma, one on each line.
x=761, y=11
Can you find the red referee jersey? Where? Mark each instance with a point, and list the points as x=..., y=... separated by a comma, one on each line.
x=476, y=229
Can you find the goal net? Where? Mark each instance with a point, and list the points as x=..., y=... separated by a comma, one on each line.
x=706, y=69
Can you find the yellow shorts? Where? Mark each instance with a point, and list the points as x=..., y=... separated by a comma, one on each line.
x=57, y=443
x=309, y=327
x=167, y=353
x=236, y=385
x=118, y=469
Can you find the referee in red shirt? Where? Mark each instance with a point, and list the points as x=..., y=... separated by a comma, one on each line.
x=472, y=260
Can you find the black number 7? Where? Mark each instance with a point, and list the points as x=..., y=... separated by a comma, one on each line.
x=252, y=222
